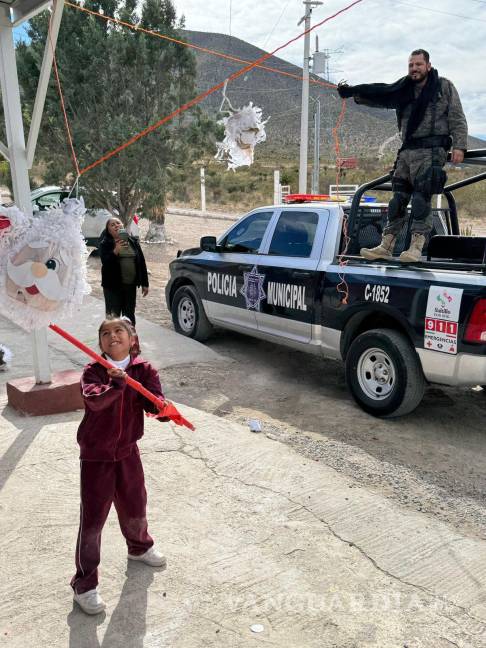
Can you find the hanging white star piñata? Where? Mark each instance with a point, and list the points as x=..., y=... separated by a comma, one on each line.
x=244, y=129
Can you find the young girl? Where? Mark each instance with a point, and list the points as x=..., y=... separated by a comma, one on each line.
x=111, y=470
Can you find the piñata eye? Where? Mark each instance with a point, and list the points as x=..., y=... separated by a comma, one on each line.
x=52, y=264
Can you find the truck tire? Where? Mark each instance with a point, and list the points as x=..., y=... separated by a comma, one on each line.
x=188, y=314
x=384, y=374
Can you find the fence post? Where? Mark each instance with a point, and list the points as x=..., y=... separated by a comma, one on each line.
x=203, y=191
x=277, y=194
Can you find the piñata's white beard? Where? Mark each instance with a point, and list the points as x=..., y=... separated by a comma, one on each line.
x=42, y=293
x=42, y=264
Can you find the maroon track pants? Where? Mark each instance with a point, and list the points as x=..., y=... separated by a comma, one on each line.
x=103, y=483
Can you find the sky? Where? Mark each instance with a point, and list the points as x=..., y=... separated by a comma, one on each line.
x=370, y=42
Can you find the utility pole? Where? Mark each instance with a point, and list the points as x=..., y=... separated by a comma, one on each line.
x=304, y=117
x=317, y=152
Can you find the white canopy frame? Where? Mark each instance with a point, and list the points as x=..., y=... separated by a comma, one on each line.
x=12, y=14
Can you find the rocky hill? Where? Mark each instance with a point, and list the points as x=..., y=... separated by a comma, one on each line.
x=364, y=131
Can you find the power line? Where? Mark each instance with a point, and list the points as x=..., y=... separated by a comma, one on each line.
x=248, y=89
x=446, y=13
x=286, y=112
x=229, y=57
x=276, y=24
x=219, y=86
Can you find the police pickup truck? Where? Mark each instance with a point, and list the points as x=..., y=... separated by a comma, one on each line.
x=287, y=274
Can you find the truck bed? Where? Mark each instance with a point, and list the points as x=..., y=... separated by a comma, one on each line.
x=444, y=252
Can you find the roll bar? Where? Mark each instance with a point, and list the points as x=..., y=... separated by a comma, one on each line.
x=383, y=183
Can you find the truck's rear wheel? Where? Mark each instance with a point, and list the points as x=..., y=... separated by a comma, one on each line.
x=383, y=373
x=188, y=314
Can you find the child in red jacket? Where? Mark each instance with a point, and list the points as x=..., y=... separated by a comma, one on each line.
x=111, y=470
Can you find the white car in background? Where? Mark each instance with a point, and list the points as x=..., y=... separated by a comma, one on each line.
x=94, y=221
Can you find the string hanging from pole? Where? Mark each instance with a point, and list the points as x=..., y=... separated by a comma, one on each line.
x=61, y=98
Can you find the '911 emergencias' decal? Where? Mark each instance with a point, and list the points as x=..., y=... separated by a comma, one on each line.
x=441, y=319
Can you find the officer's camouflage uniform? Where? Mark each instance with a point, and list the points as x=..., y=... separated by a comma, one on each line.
x=411, y=178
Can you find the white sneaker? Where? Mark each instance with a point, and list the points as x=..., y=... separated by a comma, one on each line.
x=151, y=557
x=90, y=601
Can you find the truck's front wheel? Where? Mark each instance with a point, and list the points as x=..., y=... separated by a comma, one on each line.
x=188, y=314
x=383, y=373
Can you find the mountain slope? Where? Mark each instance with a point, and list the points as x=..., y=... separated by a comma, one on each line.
x=364, y=131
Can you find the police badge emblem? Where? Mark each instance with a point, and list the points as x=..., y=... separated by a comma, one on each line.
x=252, y=289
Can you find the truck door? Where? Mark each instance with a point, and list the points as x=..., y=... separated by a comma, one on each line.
x=290, y=270
x=229, y=288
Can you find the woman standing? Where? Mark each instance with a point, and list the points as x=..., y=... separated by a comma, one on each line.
x=123, y=269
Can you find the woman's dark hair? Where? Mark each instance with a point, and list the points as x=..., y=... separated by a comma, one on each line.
x=422, y=52
x=105, y=234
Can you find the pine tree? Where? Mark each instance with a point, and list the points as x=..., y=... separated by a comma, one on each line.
x=116, y=82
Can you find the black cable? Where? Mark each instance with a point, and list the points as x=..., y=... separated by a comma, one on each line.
x=446, y=13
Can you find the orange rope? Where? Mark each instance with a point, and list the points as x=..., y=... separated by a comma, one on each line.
x=342, y=286
x=63, y=106
x=205, y=94
x=196, y=47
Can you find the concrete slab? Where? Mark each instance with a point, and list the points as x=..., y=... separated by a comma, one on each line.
x=254, y=534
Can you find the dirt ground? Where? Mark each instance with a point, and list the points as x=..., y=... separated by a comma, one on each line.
x=433, y=460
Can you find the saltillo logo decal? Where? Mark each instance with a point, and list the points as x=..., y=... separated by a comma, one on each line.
x=252, y=289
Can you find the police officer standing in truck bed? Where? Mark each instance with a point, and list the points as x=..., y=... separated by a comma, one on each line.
x=431, y=122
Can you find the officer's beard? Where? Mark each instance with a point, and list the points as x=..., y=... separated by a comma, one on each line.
x=419, y=79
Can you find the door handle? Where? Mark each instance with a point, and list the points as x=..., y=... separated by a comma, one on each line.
x=301, y=273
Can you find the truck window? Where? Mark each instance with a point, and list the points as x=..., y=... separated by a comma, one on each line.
x=294, y=234
x=247, y=235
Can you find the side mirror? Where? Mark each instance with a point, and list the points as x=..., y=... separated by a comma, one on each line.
x=208, y=244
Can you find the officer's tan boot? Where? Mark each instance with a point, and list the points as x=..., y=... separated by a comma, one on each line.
x=414, y=252
x=382, y=251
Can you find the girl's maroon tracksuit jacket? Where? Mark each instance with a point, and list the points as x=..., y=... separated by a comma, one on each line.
x=111, y=469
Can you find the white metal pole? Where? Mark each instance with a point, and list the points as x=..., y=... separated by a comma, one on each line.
x=13, y=114
x=203, y=190
x=44, y=77
x=18, y=161
x=304, y=116
x=277, y=198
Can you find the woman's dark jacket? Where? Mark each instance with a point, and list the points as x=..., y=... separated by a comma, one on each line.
x=110, y=264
